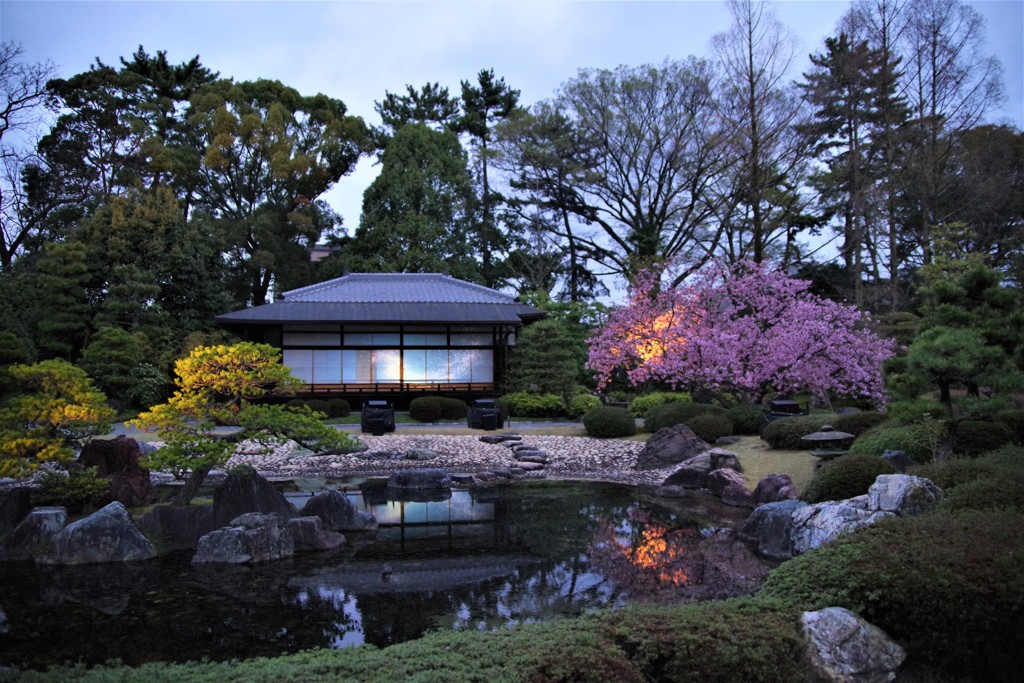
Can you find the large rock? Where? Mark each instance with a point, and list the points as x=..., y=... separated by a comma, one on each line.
x=427, y=478
x=250, y=538
x=15, y=504
x=118, y=460
x=903, y=494
x=33, y=533
x=107, y=535
x=177, y=527
x=247, y=491
x=338, y=513
x=774, y=488
x=722, y=459
x=815, y=525
x=737, y=495
x=309, y=534
x=692, y=474
x=668, y=446
x=717, y=480
x=843, y=648
x=770, y=526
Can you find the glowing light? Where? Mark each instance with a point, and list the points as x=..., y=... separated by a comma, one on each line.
x=651, y=554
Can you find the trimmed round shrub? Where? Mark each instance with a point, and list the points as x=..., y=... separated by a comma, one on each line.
x=318, y=405
x=745, y=420
x=786, y=433
x=1014, y=420
x=974, y=437
x=338, y=407
x=911, y=439
x=296, y=403
x=605, y=422
x=524, y=404
x=425, y=409
x=846, y=477
x=453, y=408
x=858, y=423
x=946, y=586
x=641, y=404
x=671, y=414
x=710, y=427
x=581, y=404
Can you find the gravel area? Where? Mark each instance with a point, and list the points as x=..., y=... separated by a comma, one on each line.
x=568, y=457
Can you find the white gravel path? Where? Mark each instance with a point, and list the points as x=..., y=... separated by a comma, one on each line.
x=570, y=457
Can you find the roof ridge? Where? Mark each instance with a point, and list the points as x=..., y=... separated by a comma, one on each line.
x=349, y=282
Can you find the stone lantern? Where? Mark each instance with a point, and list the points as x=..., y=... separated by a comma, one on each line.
x=829, y=443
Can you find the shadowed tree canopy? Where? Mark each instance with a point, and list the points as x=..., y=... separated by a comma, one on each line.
x=414, y=213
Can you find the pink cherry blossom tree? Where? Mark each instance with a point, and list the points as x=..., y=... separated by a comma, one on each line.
x=741, y=333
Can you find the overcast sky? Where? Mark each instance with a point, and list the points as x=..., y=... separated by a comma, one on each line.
x=355, y=51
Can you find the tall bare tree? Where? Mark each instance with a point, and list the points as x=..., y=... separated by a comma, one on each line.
x=22, y=96
x=658, y=154
x=951, y=85
x=761, y=108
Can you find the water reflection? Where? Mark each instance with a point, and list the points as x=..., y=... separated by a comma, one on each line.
x=479, y=560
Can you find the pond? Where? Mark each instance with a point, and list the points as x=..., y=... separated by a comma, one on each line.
x=479, y=559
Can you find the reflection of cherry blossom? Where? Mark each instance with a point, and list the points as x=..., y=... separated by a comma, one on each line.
x=648, y=556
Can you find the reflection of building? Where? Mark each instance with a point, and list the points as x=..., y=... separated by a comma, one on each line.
x=390, y=333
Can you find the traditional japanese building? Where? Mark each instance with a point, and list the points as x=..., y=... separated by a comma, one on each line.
x=391, y=335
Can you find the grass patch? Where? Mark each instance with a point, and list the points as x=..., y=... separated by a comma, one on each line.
x=759, y=460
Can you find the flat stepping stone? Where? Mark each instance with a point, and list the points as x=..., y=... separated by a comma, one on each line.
x=530, y=451
x=527, y=466
x=463, y=478
x=500, y=438
x=540, y=459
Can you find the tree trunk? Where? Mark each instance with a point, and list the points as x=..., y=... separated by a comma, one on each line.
x=191, y=486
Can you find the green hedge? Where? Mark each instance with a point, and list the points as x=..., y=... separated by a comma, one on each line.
x=671, y=414
x=338, y=407
x=710, y=427
x=605, y=422
x=1014, y=420
x=453, y=408
x=858, y=423
x=524, y=404
x=911, y=439
x=846, y=477
x=786, y=433
x=746, y=419
x=581, y=404
x=641, y=404
x=947, y=586
x=425, y=409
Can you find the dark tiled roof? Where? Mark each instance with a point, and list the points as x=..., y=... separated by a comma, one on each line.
x=389, y=298
x=397, y=288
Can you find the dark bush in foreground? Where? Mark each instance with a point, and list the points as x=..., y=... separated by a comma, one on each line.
x=787, y=432
x=974, y=437
x=745, y=419
x=1007, y=456
x=453, y=408
x=912, y=440
x=338, y=407
x=79, y=489
x=846, y=477
x=607, y=423
x=948, y=475
x=671, y=414
x=710, y=427
x=425, y=409
x=1004, y=492
x=734, y=641
x=858, y=423
x=947, y=586
x=1014, y=420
